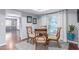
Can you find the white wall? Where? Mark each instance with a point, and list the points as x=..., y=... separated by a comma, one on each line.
x=43, y=20
x=23, y=28
x=64, y=28
x=72, y=17
x=11, y=12
x=23, y=32
x=2, y=27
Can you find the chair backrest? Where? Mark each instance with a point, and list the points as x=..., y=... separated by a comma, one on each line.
x=41, y=33
x=29, y=30
x=58, y=33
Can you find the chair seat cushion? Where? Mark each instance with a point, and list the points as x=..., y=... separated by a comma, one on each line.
x=31, y=35
x=41, y=39
x=52, y=37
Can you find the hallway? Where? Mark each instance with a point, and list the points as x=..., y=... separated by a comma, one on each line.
x=11, y=40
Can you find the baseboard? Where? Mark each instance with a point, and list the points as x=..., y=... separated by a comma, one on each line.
x=2, y=44
x=73, y=42
x=24, y=39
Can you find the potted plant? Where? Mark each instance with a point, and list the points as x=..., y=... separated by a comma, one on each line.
x=70, y=34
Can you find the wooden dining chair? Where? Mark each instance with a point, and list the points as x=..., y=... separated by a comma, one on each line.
x=55, y=37
x=41, y=36
x=30, y=33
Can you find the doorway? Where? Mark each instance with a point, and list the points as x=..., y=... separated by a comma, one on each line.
x=13, y=29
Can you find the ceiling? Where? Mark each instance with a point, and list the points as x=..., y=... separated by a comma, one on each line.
x=33, y=11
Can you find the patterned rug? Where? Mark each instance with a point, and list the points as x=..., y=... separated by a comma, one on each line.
x=52, y=46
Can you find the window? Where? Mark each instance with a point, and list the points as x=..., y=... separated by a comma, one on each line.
x=52, y=26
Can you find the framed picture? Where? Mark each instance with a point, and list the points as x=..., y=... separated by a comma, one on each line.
x=29, y=19
x=34, y=20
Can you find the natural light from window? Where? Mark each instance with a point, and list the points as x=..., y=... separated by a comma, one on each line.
x=52, y=27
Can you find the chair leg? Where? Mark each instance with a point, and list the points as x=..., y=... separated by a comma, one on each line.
x=33, y=40
x=36, y=46
x=45, y=44
x=28, y=40
x=58, y=44
x=48, y=42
